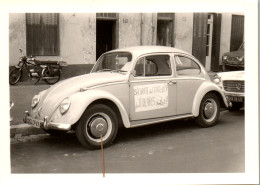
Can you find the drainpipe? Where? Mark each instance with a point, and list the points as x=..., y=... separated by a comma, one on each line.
x=141, y=30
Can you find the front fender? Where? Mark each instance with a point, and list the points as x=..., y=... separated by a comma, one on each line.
x=205, y=87
x=81, y=100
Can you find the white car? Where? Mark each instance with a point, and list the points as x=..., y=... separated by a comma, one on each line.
x=233, y=85
x=132, y=87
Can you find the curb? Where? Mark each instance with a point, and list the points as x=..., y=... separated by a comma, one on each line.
x=24, y=130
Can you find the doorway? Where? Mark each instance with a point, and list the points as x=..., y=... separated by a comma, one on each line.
x=105, y=39
x=165, y=29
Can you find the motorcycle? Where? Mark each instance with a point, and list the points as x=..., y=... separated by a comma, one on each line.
x=49, y=71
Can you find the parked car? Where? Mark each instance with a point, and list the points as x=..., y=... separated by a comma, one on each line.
x=133, y=87
x=233, y=85
x=234, y=60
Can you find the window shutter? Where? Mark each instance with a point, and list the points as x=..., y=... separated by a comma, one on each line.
x=42, y=34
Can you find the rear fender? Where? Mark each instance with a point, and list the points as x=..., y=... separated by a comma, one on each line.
x=205, y=88
x=80, y=102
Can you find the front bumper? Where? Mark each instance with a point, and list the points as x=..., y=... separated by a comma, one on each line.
x=229, y=96
x=233, y=63
x=44, y=124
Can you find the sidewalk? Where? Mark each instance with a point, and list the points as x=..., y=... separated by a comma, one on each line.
x=21, y=95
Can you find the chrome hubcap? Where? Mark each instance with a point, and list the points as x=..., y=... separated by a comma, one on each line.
x=210, y=110
x=98, y=127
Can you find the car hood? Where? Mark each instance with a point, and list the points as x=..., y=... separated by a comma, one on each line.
x=238, y=53
x=232, y=75
x=53, y=96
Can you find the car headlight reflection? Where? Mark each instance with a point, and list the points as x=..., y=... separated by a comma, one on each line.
x=224, y=57
x=65, y=105
x=35, y=101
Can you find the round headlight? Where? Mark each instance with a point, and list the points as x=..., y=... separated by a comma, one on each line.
x=35, y=101
x=224, y=57
x=65, y=105
x=240, y=59
x=217, y=79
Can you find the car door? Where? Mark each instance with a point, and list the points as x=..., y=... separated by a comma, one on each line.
x=188, y=80
x=152, y=88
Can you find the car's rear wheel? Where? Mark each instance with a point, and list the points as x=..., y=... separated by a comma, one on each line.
x=98, y=120
x=15, y=76
x=236, y=106
x=209, y=111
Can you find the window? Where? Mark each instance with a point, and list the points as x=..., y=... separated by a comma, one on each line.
x=42, y=34
x=186, y=66
x=154, y=65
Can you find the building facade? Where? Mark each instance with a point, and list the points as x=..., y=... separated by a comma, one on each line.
x=80, y=38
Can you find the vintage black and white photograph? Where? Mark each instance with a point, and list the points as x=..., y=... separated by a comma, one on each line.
x=117, y=93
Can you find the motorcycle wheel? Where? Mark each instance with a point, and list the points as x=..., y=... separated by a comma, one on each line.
x=15, y=76
x=47, y=73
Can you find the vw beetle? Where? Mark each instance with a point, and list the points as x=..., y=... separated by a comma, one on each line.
x=133, y=87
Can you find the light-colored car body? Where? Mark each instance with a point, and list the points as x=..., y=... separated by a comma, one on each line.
x=232, y=84
x=136, y=100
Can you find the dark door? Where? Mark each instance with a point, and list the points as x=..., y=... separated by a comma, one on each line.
x=104, y=35
x=165, y=29
x=216, y=42
x=107, y=32
x=199, y=36
x=237, y=32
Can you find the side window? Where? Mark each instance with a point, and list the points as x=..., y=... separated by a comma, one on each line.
x=154, y=65
x=186, y=66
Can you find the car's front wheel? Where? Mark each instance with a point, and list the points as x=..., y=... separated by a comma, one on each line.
x=208, y=111
x=98, y=120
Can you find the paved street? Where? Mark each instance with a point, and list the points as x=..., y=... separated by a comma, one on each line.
x=174, y=147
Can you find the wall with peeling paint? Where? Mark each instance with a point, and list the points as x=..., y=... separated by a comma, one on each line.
x=77, y=38
x=183, y=31
x=17, y=37
x=225, y=34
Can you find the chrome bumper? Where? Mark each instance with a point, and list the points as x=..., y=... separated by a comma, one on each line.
x=44, y=124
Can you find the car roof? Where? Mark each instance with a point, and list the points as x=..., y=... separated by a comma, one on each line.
x=140, y=50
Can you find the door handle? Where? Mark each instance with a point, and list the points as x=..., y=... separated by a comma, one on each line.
x=172, y=82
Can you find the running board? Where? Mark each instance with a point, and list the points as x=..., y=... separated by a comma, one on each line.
x=158, y=120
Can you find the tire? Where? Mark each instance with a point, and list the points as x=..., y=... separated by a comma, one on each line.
x=47, y=73
x=208, y=118
x=97, y=120
x=236, y=106
x=55, y=132
x=15, y=76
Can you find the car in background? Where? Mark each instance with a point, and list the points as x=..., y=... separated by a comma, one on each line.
x=132, y=87
x=233, y=86
x=234, y=60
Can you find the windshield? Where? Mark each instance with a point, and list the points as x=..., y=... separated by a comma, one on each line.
x=118, y=61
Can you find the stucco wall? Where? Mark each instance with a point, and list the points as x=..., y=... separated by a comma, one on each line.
x=129, y=29
x=17, y=37
x=225, y=35
x=183, y=31
x=77, y=38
